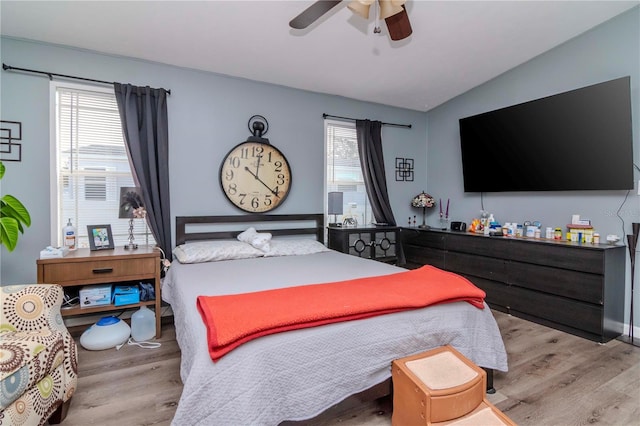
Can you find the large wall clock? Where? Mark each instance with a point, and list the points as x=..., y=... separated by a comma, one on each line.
x=255, y=176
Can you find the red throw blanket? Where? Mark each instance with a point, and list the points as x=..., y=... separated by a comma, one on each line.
x=235, y=319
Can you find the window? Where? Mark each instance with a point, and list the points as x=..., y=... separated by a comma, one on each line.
x=90, y=164
x=344, y=173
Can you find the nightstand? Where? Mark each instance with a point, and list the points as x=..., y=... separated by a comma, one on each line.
x=371, y=242
x=119, y=266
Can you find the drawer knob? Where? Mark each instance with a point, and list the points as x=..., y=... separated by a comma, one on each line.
x=102, y=270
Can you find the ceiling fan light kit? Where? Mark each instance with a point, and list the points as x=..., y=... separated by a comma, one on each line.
x=392, y=11
x=361, y=7
x=388, y=8
x=399, y=26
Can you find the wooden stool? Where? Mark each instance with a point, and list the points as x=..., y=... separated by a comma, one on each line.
x=441, y=387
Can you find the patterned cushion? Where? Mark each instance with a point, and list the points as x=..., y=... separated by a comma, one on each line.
x=25, y=358
x=38, y=403
x=38, y=356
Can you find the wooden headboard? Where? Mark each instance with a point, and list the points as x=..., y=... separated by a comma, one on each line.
x=198, y=228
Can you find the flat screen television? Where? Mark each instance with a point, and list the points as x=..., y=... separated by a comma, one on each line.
x=577, y=140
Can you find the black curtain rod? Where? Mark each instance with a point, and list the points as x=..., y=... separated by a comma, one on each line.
x=51, y=74
x=408, y=126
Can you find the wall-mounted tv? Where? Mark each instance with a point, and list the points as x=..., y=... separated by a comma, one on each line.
x=577, y=140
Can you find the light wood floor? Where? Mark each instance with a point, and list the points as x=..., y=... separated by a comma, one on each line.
x=554, y=378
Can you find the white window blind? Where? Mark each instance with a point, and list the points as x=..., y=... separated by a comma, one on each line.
x=344, y=173
x=91, y=164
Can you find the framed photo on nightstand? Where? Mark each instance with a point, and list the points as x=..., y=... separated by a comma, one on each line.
x=100, y=237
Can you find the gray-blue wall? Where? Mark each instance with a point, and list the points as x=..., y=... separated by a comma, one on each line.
x=208, y=115
x=609, y=51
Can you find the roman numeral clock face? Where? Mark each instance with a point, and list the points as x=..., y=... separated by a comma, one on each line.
x=255, y=177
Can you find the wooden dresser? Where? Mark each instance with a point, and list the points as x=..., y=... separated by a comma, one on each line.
x=577, y=288
x=119, y=266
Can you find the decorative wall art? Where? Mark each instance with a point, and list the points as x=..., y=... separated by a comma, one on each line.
x=10, y=131
x=404, y=169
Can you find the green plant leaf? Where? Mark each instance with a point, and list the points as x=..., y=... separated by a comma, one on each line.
x=9, y=232
x=13, y=214
x=12, y=207
x=8, y=212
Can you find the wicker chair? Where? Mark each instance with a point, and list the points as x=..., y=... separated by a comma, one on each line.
x=38, y=356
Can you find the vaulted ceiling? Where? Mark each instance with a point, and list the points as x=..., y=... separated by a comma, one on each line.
x=455, y=45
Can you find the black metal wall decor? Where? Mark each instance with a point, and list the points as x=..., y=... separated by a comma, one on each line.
x=404, y=169
x=10, y=131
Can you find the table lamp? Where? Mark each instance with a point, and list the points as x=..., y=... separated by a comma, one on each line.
x=335, y=207
x=131, y=207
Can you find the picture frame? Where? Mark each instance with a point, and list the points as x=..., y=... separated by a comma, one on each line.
x=100, y=237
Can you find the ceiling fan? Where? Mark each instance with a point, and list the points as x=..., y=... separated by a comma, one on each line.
x=392, y=11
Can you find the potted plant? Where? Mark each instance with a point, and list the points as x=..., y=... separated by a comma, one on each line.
x=13, y=215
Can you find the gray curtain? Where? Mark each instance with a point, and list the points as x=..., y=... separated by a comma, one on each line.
x=143, y=112
x=372, y=162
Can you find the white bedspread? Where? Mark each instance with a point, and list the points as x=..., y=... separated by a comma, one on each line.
x=298, y=374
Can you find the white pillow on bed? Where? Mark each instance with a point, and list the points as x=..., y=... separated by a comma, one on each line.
x=259, y=240
x=212, y=251
x=295, y=247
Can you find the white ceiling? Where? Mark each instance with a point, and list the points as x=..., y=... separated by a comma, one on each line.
x=455, y=45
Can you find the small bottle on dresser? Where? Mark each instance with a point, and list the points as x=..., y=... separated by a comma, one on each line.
x=549, y=233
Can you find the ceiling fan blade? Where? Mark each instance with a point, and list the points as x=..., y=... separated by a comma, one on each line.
x=399, y=26
x=312, y=13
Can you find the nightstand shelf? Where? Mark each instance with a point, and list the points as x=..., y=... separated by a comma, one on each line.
x=67, y=312
x=119, y=266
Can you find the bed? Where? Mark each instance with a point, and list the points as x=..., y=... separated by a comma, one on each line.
x=297, y=375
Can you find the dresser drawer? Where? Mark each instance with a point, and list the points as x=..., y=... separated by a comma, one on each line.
x=99, y=270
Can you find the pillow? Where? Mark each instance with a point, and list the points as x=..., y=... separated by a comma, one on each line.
x=259, y=240
x=295, y=247
x=212, y=251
